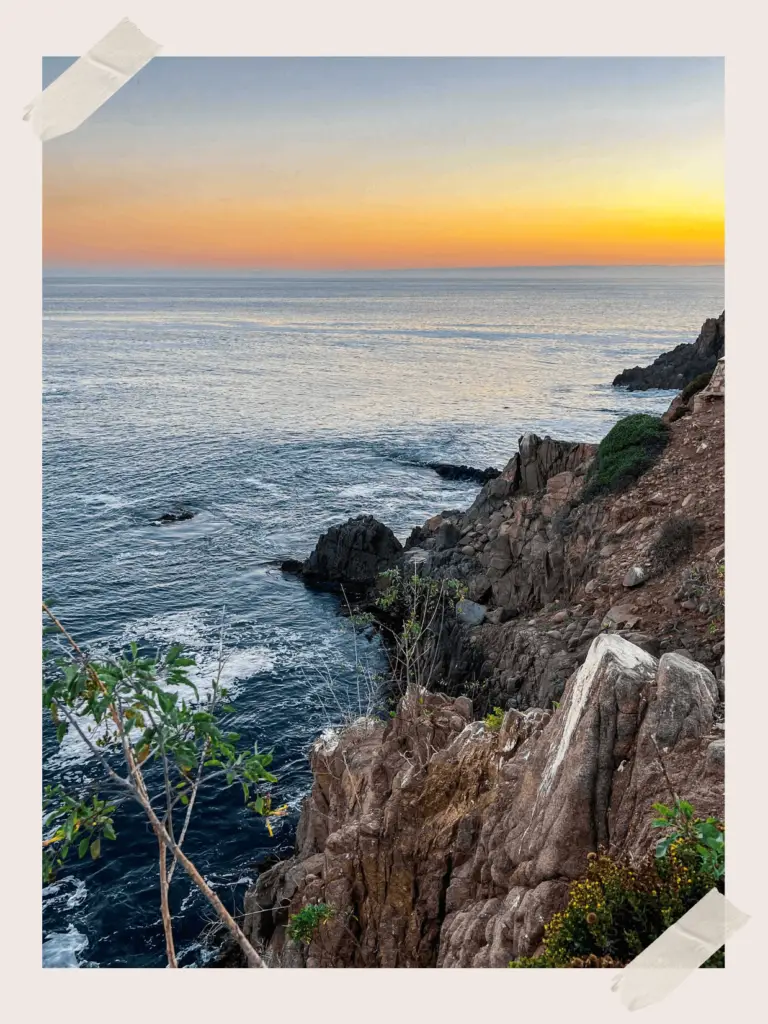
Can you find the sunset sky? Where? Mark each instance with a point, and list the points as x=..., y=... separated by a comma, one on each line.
x=362, y=163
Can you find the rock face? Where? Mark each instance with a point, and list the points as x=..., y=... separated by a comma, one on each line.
x=677, y=368
x=441, y=843
x=715, y=390
x=552, y=571
x=354, y=552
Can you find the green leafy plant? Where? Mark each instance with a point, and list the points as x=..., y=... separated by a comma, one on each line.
x=157, y=743
x=413, y=610
x=494, y=719
x=618, y=909
x=303, y=926
x=73, y=821
x=629, y=448
x=700, y=841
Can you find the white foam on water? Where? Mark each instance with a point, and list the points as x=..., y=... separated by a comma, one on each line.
x=198, y=635
x=60, y=949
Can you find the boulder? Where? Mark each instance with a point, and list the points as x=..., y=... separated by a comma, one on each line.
x=469, y=612
x=355, y=552
x=635, y=576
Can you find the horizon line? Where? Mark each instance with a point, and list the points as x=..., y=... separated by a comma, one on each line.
x=170, y=271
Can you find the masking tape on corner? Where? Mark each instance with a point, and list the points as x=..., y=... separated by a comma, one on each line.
x=90, y=81
x=683, y=948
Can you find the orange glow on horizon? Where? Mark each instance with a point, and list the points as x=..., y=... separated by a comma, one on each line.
x=306, y=235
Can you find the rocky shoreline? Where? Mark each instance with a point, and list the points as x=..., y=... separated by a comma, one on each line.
x=682, y=365
x=594, y=622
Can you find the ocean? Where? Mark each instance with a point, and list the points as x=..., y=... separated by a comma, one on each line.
x=272, y=407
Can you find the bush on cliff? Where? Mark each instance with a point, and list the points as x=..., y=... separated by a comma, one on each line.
x=676, y=540
x=412, y=611
x=625, y=453
x=696, y=385
x=617, y=910
x=304, y=925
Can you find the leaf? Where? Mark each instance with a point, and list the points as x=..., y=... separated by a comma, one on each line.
x=83, y=848
x=96, y=848
x=662, y=846
x=109, y=832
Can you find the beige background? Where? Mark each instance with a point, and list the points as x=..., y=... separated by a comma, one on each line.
x=418, y=27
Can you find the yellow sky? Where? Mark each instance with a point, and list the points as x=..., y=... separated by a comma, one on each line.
x=506, y=163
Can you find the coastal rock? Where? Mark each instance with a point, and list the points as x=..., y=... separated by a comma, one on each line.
x=179, y=516
x=441, y=843
x=292, y=565
x=675, y=369
x=355, y=552
x=715, y=390
x=451, y=472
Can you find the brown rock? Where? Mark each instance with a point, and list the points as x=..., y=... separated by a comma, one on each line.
x=448, y=848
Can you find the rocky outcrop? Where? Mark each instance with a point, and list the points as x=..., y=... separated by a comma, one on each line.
x=552, y=572
x=597, y=627
x=673, y=370
x=442, y=843
x=178, y=516
x=353, y=553
x=715, y=389
x=451, y=472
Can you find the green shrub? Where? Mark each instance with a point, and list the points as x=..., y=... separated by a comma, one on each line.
x=625, y=453
x=618, y=910
x=494, y=719
x=696, y=385
x=303, y=926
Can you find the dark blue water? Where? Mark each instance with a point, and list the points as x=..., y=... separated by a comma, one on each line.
x=273, y=407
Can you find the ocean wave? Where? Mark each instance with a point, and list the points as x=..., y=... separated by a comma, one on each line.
x=61, y=949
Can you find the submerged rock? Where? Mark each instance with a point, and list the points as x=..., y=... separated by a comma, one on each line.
x=178, y=516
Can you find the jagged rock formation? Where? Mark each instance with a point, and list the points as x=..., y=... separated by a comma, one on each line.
x=552, y=572
x=675, y=369
x=441, y=843
x=353, y=553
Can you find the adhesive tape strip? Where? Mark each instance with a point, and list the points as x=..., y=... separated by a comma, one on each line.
x=90, y=81
x=683, y=947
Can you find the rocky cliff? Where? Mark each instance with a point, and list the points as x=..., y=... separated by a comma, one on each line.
x=679, y=367
x=597, y=626
x=441, y=843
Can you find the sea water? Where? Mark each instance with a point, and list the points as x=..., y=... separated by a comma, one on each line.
x=272, y=407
